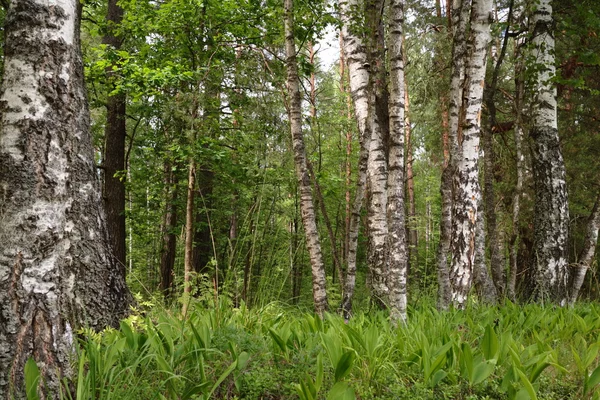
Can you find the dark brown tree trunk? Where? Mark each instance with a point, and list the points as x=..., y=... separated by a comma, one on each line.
x=114, y=148
x=203, y=251
x=57, y=273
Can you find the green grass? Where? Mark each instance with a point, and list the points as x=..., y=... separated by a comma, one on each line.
x=509, y=352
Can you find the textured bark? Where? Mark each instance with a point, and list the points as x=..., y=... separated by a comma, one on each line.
x=396, y=242
x=169, y=238
x=203, y=251
x=115, y=133
x=306, y=199
x=57, y=273
x=551, y=221
x=358, y=72
x=458, y=23
x=377, y=161
x=586, y=257
x=466, y=180
x=482, y=280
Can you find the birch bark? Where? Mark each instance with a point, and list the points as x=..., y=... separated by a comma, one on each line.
x=586, y=257
x=397, y=244
x=467, y=192
x=57, y=273
x=306, y=199
x=551, y=221
x=458, y=21
x=358, y=71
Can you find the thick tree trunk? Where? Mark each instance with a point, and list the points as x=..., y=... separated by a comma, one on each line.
x=306, y=199
x=356, y=58
x=377, y=173
x=586, y=257
x=115, y=134
x=397, y=244
x=57, y=273
x=169, y=239
x=466, y=190
x=551, y=221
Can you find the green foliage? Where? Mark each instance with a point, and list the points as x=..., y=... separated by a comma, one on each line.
x=484, y=352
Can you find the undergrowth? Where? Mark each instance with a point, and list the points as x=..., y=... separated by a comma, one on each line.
x=276, y=352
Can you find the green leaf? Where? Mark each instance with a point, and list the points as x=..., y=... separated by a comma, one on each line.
x=32, y=379
x=482, y=371
x=489, y=343
x=437, y=377
x=528, y=386
x=592, y=380
x=344, y=365
x=341, y=391
x=242, y=360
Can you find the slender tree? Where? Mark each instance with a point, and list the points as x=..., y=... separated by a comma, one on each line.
x=115, y=134
x=57, y=272
x=306, y=199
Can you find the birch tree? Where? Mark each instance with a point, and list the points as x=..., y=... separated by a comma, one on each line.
x=57, y=273
x=306, y=199
x=396, y=244
x=551, y=221
x=467, y=192
x=358, y=71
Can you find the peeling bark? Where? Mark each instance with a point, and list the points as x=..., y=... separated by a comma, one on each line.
x=551, y=221
x=306, y=199
x=481, y=278
x=466, y=180
x=57, y=273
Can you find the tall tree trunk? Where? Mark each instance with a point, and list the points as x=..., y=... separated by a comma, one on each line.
x=306, y=199
x=586, y=256
x=115, y=134
x=57, y=273
x=356, y=58
x=520, y=160
x=203, y=251
x=412, y=233
x=466, y=190
x=551, y=221
x=458, y=19
x=377, y=172
x=397, y=244
x=188, y=258
x=169, y=238
x=495, y=239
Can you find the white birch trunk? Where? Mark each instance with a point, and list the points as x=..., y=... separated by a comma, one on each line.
x=467, y=191
x=377, y=162
x=56, y=270
x=397, y=244
x=460, y=15
x=586, y=257
x=306, y=199
x=358, y=72
x=551, y=221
